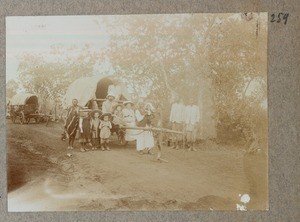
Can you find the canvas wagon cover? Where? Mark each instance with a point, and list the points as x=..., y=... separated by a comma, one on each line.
x=22, y=98
x=84, y=89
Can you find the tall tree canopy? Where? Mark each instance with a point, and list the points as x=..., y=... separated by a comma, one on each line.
x=218, y=59
x=196, y=55
x=11, y=88
x=49, y=77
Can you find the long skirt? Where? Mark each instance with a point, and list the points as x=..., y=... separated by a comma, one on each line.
x=144, y=140
x=130, y=134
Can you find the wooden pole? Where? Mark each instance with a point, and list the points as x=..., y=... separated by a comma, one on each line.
x=102, y=100
x=152, y=129
x=159, y=137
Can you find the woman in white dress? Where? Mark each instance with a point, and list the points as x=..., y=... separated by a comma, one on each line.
x=129, y=119
x=144, y=138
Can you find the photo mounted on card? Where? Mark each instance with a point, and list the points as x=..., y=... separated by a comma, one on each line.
x=137, y=112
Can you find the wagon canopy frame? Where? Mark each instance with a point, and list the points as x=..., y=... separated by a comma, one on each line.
x=24, y=99
x=94, y=88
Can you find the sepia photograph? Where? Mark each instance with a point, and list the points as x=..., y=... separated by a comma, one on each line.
x=143, y=112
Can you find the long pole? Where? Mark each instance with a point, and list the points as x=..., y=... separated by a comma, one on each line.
x=159, y=136
x=152, y=129
x=102, y=100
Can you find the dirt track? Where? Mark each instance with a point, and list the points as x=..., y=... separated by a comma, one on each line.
x=42, y=177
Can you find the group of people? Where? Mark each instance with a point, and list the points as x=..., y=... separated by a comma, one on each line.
x=96, y=126
x=185, y=117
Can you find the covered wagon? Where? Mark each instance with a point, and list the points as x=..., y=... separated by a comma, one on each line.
x=25, y=106
x=92, y=91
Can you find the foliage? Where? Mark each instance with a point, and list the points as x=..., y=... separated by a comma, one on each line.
x=158, y=54
x=50, y=79
x=218, y=59
x=239, y=62
x=11, y=88
x=181, y=55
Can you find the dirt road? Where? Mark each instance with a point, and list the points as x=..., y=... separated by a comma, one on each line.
x=41, y=177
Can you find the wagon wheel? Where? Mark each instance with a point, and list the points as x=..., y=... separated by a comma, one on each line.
x=37, y=119
x=22, y=117
x=48, y=120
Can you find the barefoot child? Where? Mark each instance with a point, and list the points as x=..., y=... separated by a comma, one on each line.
x=84, y=129
x=117, y=122
x=95, y=123
x=105, y=127
x=129, y=119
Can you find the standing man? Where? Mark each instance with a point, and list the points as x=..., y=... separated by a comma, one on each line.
x=192, y=117
x=109, y=103
x=72, y=122
x=177, y=119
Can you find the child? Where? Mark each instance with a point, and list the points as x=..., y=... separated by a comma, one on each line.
x=129, y=119
x=105, y=127
x=95, y=123
x=118, y=115
x=85, y=129
x=117, y=122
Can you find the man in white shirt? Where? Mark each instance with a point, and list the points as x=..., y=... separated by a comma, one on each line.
x=191, y=120
x=115, y=90
x=109, y=103
x=176, y=119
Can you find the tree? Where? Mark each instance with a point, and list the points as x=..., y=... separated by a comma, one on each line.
x=50, y=78
x=161, y=53
x=238, y=57
x=11, y=88
x=205, y=56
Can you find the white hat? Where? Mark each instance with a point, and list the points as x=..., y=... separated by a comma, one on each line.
x=110, y=94
x=127, y=102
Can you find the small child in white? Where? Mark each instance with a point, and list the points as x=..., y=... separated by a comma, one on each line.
x=105, y=127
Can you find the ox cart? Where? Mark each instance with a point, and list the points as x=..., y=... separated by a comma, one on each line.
x=24, y=107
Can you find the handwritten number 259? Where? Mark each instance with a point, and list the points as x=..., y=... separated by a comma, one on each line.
x=280, y=16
